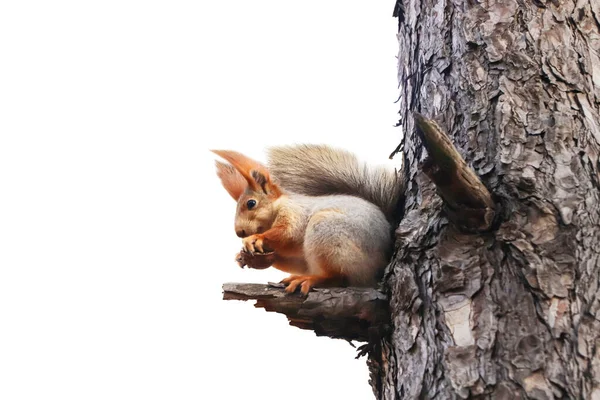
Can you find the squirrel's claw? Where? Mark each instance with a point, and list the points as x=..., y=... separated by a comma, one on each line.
x=258, y=245
x=253, y=244
x=248, y=244
x=306, y=283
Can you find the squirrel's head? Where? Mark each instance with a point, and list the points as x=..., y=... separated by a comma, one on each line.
x=250, y=184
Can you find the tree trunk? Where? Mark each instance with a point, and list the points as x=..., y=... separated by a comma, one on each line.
x=513, y=312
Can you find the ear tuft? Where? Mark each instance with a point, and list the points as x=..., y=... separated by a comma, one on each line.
x=260, y=179
x=232, y=180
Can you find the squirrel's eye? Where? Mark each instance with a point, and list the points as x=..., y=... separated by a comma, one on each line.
x=251, y=203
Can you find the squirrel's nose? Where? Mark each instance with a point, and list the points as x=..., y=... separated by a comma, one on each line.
x=241, y=233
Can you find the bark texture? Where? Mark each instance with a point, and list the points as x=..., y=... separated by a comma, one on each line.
x=513, y=312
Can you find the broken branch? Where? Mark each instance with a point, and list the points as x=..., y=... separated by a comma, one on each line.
x=343, y=313
x=468, y=202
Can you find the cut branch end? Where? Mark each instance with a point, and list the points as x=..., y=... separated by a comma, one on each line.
x=468, y=202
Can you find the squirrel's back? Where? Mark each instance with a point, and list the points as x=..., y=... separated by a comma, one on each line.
x=318, y=170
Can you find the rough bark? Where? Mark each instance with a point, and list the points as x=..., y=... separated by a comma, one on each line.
x=343, y=313
x=513, y=312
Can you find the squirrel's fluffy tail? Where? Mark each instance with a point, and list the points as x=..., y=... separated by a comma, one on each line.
x=318, y=170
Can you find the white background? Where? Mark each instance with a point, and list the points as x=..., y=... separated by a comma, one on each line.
x=115, y=235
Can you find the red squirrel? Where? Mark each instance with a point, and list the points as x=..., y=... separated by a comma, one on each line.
x=326, y=216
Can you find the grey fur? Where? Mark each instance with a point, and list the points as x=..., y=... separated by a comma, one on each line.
x=352, y=234
x=318, y=170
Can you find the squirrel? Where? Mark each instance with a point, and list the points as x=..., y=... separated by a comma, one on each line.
x=327, y=217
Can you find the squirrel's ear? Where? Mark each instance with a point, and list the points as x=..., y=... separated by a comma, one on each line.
x=232, y=181
x=264, y=182
x=256, y=175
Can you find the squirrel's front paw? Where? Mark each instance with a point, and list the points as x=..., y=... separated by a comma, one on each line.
x=253, y=244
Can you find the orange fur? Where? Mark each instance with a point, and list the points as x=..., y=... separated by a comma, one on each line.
x=278, y=239
x=232, y=180
x=291, y=265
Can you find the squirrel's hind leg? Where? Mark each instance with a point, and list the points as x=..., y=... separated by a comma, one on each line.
x=307, y=282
